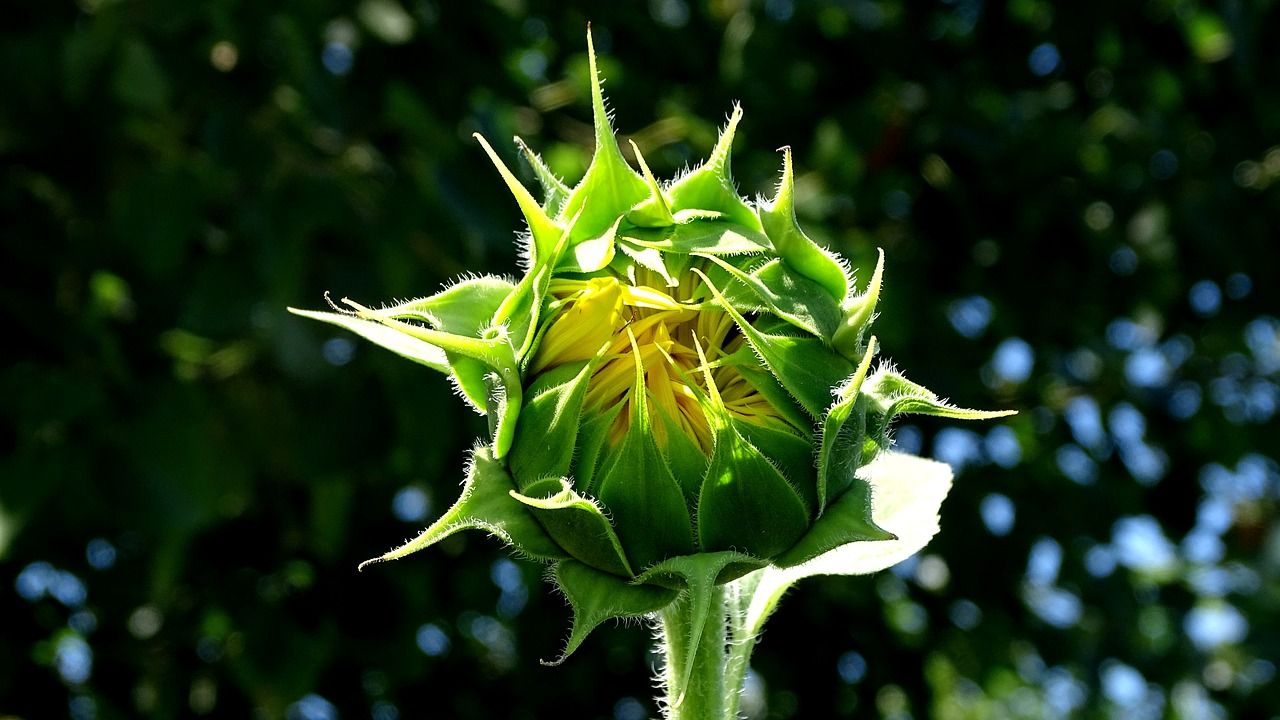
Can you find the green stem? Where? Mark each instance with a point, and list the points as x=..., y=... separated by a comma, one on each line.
x=704, y=678
x=741, y=637
x=703, y=694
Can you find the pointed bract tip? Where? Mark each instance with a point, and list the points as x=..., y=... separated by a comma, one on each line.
x=597, y=90
x=724, y=146
x=544, y=230
x=783, y=202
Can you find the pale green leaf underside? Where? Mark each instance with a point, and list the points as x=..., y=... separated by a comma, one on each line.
x=907, y=493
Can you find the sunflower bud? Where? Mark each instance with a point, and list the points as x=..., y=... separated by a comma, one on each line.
x=679, y=388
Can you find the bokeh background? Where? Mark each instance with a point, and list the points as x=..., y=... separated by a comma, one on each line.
x=1078, y=204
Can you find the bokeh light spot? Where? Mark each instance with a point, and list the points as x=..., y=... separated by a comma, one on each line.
x=1100, y=561
x=224, y=56
x=311, y=707
x=1044, y=562
x=100, y=553
x=1044, y=59
x=908, y=439
x=1056, y=607
x=34, y=580
x=896, y=204
x=1147, y=368
x=970, y=316
x=73, y=659
x=337, y=58
x=851, y=666
x=433, y=641
x=1002, y=446
x=965, y=614
x=411, y=504
x=629, y=708
x=1163, y=164
x=145, y=622
x=1205, y=298
x=338, y=351
x=1141, y=545
x=1122, y=684
x=957, y=447
x=68, y=589
x=1238, y=286
x=998, y=514
x=1085, y=420
x=779, y=10
x=1013, y=360
x=1214, y=625
x=1124, y=261
x=1076, y=465
x=672, y=13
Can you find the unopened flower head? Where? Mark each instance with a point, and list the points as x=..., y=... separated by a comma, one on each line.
x=679, y=389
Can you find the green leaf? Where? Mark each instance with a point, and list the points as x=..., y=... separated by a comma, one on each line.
x=465, y=308
x=685, y=458
x=597, y=596
x=906, y=493
x=485, y=504
x=593, y=436
x=849, y=519
x=590, y=255
x=858, y=313
x=745, y=502
x=554, y=191
x=807, y=257
x=576, y=523
x=389, y=338
x=668, y=265
x=610, y=188
x=891, y=395
x=545, y=231
x=840, y=449
x=711, y=237
x=789, y=452
x=470, y=376
x=805, y=366
x=640, y=491
x=547, y=430
x=710, y=186
x=705, y=569
x=502, y=394
x=760, y=378
x=521, y=310
x=653, y=212
x=789, y=295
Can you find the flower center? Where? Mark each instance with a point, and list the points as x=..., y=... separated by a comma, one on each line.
x=599, y=317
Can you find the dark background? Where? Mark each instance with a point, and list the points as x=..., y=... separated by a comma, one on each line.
x=1078, y=204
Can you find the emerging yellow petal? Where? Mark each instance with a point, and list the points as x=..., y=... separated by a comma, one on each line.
x=601, y=317
x=585, y=323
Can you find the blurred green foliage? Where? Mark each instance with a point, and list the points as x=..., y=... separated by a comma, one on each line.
x=1078, y=204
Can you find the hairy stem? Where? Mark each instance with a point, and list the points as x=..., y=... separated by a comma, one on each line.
x=694, y=669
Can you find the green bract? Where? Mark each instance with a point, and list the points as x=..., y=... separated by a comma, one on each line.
x=679, y=390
